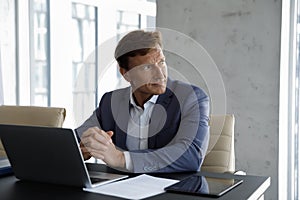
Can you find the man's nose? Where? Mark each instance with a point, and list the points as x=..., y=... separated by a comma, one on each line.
x=158, y=71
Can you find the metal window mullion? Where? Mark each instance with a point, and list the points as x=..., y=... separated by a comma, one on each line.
x=31, y=47
x=292, y=159
x=17, y=44
x=48, y=53
x=96, y=57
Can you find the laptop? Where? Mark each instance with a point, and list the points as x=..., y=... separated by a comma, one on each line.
x=49, y=155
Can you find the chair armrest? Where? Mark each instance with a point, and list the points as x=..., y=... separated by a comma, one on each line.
x=239, y=172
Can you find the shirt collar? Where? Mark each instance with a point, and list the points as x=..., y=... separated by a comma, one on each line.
x=152, y=100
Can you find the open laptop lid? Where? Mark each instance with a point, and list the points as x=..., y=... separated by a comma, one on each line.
x=50, y=155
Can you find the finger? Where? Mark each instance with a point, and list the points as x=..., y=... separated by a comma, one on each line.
x=83, y=149
x=102, y=137
x=98, y=134
x=85, y=137
x=94, y=145
x=94, y=134
x=97, y=155
x=110, y=134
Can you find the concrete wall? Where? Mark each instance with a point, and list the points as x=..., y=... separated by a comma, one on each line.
x=243, y=38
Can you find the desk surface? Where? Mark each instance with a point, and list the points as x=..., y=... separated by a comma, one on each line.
x=11, y=188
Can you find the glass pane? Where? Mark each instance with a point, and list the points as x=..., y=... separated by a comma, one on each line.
x=40, y=87
x=80, y=10
x=131, y=19
x=91, y=13
x=127, y=21
x=40, y=83
x=76, y=42
x=151, y=21
x=84, y=60
x=88, y=31
x=8, y=70
x=40, y=5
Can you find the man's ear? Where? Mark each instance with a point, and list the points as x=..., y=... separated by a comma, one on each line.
x=124, y=73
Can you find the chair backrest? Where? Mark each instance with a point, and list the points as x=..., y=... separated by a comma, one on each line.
x=31, y=115
x=220, y=155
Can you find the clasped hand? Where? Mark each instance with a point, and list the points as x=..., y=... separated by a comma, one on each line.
x=98, y=143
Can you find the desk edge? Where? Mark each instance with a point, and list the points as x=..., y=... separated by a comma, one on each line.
x=261, y=189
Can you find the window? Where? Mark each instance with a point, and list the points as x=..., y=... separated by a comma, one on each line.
x=58, y=57
x=84, y=56
x=39, y=53
x=289, y=120
x=8, y=61
x=127, y=21
x=297, y=104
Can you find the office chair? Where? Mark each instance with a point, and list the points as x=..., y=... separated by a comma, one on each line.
x=220, y=156
x=31, y=115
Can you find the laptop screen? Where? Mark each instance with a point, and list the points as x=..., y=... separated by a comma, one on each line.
x=50, y=155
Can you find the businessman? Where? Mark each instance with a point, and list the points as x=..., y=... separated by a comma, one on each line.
x=155, y=125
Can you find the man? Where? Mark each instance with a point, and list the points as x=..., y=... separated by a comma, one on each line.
x=156, y=124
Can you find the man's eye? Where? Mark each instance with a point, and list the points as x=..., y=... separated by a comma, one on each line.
x=147, y=67
x=162, y=62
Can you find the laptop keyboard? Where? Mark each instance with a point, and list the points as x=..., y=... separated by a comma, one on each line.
x=97, y=180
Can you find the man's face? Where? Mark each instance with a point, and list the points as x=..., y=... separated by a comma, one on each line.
x=148, y=74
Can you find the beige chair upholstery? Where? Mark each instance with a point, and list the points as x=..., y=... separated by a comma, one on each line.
x=220, y=155
x=31, y=115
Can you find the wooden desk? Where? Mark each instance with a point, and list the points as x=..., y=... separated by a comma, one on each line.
x=253, y=187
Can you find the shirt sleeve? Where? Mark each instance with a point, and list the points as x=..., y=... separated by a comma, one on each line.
x=128, y=161
x=92, y=121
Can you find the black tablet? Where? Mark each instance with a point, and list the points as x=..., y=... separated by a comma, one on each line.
x=204, y=186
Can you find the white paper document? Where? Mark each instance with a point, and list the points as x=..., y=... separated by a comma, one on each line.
x=139, y=187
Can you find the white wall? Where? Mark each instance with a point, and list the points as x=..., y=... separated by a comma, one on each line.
x=243, y=38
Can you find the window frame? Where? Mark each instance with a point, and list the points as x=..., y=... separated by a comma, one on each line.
x=287, y=96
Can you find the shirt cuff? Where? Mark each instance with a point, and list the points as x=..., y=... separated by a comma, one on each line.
x=128, y=161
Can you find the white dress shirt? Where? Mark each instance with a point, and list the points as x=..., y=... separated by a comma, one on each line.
x=138, y=127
